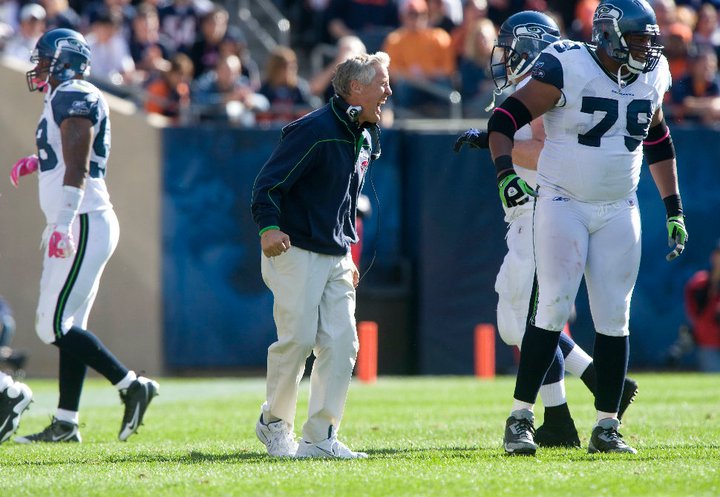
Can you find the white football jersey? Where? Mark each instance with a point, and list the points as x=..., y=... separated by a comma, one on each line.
x=593, y=151
x=74, y=98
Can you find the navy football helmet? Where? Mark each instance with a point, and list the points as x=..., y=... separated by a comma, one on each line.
x=521, y=39
x=60, y=54
x=615, y=20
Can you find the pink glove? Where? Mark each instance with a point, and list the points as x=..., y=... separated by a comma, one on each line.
x=61, y=243
x=26, y=165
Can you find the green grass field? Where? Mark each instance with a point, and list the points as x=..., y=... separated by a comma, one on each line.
x=426, y=436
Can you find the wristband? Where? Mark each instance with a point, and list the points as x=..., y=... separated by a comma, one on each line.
x=71, y=199
x=268, y=228
x=673, y=205
x=503, y=163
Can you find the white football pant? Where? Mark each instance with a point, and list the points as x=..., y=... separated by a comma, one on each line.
x=601, y=240
x=314, y=310
x=68, y=287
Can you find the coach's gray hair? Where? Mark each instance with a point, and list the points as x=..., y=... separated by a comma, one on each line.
x=360, y=68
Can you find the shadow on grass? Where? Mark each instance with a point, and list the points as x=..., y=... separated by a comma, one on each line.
x=698, y=452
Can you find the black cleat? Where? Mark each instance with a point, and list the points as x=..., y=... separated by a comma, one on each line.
x=136, y=398
x=630, y=391
x=13, y=402
x=519, y=433
x=58, y=431
x=562, y=434
x=606, y=438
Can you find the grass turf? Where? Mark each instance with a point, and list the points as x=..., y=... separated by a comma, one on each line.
x=426, y=436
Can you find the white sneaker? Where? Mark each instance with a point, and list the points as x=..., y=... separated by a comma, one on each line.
x=278, y=437
x=330, y=447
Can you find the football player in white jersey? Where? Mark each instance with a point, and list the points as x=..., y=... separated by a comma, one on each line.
x=73, y=142
x=602, y=108
x=520, y=40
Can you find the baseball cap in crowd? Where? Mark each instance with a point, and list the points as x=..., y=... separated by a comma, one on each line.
x=32, y=11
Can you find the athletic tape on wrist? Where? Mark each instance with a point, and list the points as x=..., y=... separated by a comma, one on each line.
x=71, y=200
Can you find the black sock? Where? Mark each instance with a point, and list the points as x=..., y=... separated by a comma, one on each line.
x=557, y=414
x=72, y=376
x=611, y=360
x=588, y=377
x=87, y=348
x=536, y=356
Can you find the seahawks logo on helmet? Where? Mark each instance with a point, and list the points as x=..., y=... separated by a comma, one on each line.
x=608, y=11
x=71, y=45
x=535, y=31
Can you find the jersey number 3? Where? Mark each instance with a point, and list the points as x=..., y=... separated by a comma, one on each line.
x=636, y=110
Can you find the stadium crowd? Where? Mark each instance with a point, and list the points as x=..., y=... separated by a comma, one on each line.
x=185, y=60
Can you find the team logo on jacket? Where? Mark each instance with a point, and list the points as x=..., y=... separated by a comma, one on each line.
x=363, y=162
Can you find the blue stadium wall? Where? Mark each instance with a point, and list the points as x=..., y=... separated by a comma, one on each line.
x=436, y=235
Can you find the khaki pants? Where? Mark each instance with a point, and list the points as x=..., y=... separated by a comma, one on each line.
x=314, y=310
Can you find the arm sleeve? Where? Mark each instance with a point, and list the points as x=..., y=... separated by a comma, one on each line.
x=294, y=154
x=75, y=104
x=548, y=69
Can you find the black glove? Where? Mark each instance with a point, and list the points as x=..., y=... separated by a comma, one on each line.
x=474, y=138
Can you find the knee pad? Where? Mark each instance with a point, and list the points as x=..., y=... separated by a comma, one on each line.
x=44, y=329
x=511, y=326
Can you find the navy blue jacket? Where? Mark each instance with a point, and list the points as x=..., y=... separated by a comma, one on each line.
x=310, y=184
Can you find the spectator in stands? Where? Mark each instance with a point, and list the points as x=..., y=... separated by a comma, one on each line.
x=149, y=49
x=696, y=97
x=121, y=9
x=369, y=21
x=32, y=26
x=707, y=31
x=179, y=21
x=111, y=60
x=169, y=93
x=60, y=15
x=581, y=27
x=234, y=43
x=289, y=94
x=223, y=94
x=473, y=11
x=702, y=304
x=321, y=83
x=421, y=57
x=440, y=14
x=476, y=84
x=205, y=52
x=9, y=16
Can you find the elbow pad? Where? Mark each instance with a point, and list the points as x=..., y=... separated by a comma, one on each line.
x=658, y=145
x=509, y=117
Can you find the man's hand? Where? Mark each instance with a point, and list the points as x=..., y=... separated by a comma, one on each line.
x=474, y=138
x=677, y=234
x=61, y=244
x=274, y=242
x=514, y=190
x=26, y=165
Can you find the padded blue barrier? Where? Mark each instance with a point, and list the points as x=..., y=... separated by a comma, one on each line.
x=438, y=210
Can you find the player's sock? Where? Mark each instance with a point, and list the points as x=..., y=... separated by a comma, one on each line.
x=538, y=351
x=611, y=360
x=71, y=377
x=589, y=377
x=88, y=348
x=576, y=359
x=127, y=381
x=68, y=416
x=552, y=390
x=557, y=415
